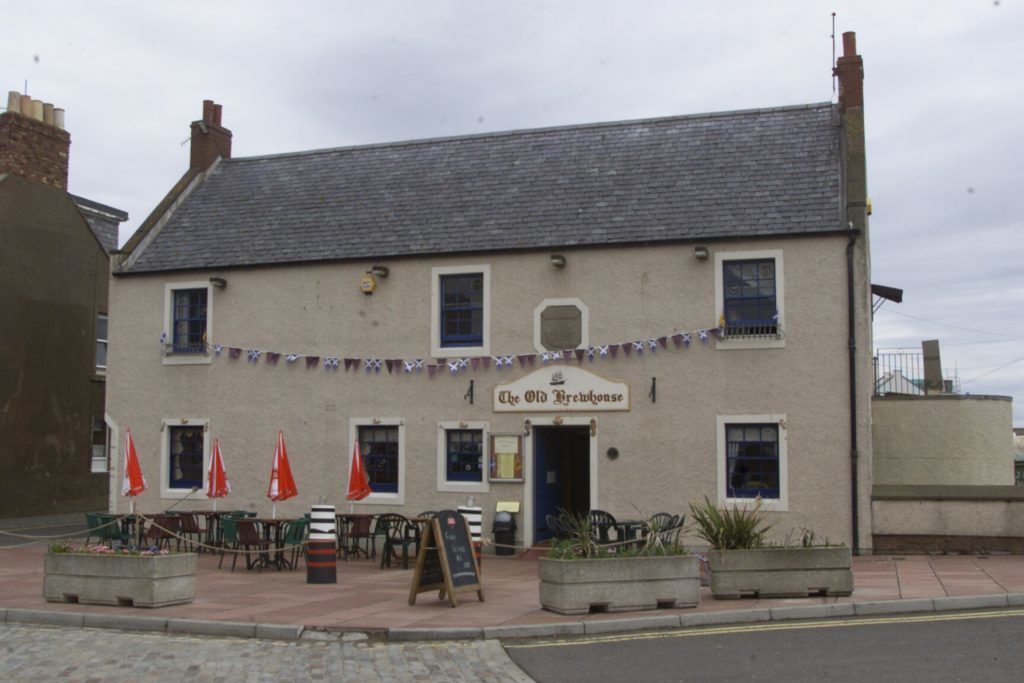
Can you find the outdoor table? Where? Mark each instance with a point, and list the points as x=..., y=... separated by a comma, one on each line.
x=273, y=534
x=133, y=526
x=631, y=529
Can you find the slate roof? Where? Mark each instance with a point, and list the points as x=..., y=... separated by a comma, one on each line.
x=726, y=175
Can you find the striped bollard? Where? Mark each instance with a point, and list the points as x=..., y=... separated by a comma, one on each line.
x=322, y=563
x=475, y=517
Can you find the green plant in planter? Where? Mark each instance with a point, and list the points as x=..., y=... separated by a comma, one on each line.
x=735, y=528
x=580, y=541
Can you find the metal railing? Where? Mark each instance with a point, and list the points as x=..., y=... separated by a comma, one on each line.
x=901, y=371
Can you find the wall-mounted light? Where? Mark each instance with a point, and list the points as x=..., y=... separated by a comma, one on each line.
x=218, y=282
x=367, y=284
x=701, y=252
x=557, y=260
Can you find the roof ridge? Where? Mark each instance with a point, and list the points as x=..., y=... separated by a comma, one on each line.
x=524, y=131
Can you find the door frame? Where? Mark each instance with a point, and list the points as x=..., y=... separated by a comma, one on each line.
x=528, y=464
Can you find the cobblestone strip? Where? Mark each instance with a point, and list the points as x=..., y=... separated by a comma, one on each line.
x=73, y=655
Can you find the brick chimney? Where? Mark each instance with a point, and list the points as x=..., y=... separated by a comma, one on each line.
x=850, y=70
x=210, y=140
x=33, y=142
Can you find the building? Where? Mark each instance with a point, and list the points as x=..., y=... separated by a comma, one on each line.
x=627, y=316
x=54, y=273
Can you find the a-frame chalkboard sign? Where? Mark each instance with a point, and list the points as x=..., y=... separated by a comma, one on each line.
x=446, y=562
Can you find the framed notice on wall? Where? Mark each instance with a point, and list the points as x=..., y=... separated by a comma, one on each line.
x=506, y=458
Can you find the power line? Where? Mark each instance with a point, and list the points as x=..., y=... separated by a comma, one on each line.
x=962, y=329
x=986, y=374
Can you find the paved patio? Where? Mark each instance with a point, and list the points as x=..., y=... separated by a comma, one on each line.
x=367, y=598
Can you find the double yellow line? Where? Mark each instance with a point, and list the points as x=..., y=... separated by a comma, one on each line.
x=764, y=626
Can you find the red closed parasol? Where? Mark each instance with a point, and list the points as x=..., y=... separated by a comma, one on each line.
x=282, y=485
x=358, y=481
x=133, y=482
x=217, y=485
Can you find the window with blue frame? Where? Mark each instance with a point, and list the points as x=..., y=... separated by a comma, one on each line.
x=379, y=448
x=752, y=460
x=749, y=297
x=186, y=457
x=462, y=309
x=464, y=454
x=189, y=321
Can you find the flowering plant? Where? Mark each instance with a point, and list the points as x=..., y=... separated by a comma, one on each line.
x=68, y=547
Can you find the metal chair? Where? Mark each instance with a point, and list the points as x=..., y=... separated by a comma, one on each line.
x=229, y=539
x=191, y=529
x=398, y=533
x=249, y=538
x=295, y=538
x=162, y=529
x=664, y=525
x=358, y=536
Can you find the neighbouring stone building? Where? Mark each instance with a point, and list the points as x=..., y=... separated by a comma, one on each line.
x=54, y=274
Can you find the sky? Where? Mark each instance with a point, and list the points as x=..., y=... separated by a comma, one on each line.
x=943, y=105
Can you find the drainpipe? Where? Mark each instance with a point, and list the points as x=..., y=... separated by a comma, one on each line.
x=852, y=322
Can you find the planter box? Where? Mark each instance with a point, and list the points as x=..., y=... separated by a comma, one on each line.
x=120, y=580
x=620, y=584
x=780, y=572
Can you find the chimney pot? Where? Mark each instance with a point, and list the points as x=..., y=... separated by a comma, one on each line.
x=849, y=44
x=58, y=118
x=207, y=111
x=216, y=114
x=850, y=70
x=31, y=147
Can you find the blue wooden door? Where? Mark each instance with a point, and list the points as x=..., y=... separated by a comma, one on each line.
x=561, y=474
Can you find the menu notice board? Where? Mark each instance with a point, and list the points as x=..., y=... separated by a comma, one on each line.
x=506, y=458
x=446, y=562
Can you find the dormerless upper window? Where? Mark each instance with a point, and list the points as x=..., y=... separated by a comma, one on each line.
x=101, y=342
x=749, y=297
x=462, y=310
x=189, y=321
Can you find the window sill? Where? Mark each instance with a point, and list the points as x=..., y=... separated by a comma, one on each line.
x=767, y=504
x=463, y=487
x=752, y=336
x=179, y=493
x=730, y=343
x=383, y=499
x=188, y=359
x=452, y=352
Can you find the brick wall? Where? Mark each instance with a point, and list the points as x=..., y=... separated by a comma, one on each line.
x=34, y=150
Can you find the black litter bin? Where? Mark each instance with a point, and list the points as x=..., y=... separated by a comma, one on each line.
x=504, y=530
